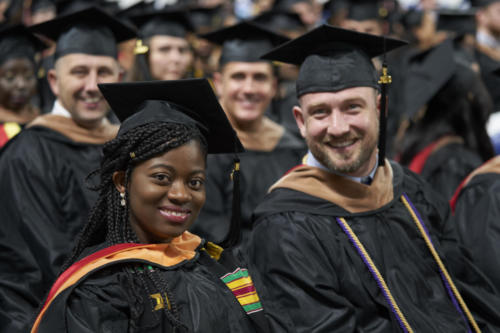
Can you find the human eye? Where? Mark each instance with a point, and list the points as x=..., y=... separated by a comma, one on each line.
x=238, y=76
x=9, y=76
x=196, y=184
x=261, y=77
x=161, y=177
x=319, y=112
x=105, y=72
x=79, y=71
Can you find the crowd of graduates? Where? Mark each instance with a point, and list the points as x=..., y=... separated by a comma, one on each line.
x=241, y=99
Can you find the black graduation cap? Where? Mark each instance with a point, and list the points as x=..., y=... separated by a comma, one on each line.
x=169, y=22
x=244, y=41
x=332, y=59
x=281, y=21
x=459, y=21
x=362, y=10
x=90, y=31
x=190, y=101
x=18, y=42
x=427, y=73
x=206, y=18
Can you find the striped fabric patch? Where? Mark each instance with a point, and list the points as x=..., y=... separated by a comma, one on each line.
x=240, y=283
x=8, y=131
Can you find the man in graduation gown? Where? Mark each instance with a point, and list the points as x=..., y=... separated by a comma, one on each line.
x=246, y=85
x=45, y=200
x=350, y=241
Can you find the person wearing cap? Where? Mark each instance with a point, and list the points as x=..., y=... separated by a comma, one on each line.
x=18, y=86
x=163, y=51
x=448, y=107
x=44, y=167
x=350, y=241
x=206, y=54
x=135, y=266
x=246, y=85
x=288, y=24
x=364, y=16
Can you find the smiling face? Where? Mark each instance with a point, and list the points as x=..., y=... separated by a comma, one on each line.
x=341, y=128
x=74, y=81
x=245, y=90
x=166, y=193
x=169, y=57
x=17, y=83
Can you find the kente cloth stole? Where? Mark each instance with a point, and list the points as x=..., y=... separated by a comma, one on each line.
x=8, y=131
x=450, y=286
x=242, y=287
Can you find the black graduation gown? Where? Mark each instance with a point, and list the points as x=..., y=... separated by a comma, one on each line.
x=477, y=216
x=259, y=170
x=447, y=167
x=308, y=263
x=104, y=299
x=44, y=203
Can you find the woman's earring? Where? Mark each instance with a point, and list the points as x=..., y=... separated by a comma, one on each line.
x=122, y=202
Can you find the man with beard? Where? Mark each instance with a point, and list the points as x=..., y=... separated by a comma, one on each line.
x=45, y=201
x=351, y=241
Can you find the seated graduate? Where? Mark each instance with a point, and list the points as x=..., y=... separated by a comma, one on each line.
x=476, y=207
x=448, y=107
x=135, y=267
x=350, y=241
x=18, y=85
x=163, y=52
x=246, y=85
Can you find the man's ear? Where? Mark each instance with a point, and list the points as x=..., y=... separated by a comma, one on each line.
x=119, y=181
x=52, y=78
x=217, y=76
x=298, y=114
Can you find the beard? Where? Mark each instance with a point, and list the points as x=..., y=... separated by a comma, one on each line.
x=337, y=162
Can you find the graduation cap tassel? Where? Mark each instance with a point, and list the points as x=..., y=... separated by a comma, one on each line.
x=234, y=234
x=384, y=81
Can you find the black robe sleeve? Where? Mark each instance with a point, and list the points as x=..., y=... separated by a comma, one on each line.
x=299, y=273
x=446, y=168
x=477, y=217
x=44, y=205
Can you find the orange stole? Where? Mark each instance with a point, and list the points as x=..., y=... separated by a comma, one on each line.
x=170, y=254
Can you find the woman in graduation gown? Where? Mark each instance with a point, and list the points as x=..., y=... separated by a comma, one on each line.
x=447, y=139
x=163, y=52
x=135, y=268
x=17, y=80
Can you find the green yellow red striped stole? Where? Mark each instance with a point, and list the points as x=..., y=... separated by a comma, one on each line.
x=241, y=284
x=8, y=131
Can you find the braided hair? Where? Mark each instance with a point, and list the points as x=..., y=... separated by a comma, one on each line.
x=109, y=220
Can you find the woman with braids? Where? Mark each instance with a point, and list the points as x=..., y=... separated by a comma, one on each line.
x=135, y=267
